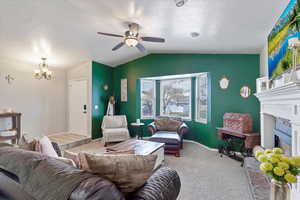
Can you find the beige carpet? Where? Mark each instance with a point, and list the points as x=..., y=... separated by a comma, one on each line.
x=204, y=174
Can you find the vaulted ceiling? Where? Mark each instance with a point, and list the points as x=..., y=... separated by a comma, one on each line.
x=65, y=30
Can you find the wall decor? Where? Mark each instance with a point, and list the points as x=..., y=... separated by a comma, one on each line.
x=224, y=83
x=262, y=84
x=287, y=27
x=245, y=91
x=124, y=90
x=9, y=79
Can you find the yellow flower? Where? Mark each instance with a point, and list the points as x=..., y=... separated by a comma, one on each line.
x=266, y=166
x=262, y=158
x=295, y=161
x=273, y=158
x=290, y=178
x=267, y=151
x=284, y=159
x=277, y=150
x=292, y=161
x=258, y=153
x=278, y=171
x=283, y=165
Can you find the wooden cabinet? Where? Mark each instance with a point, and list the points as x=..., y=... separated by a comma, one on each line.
x=16, y=127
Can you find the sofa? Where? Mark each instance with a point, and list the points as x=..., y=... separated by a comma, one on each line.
x=169, y=131
x=30, y=175
x=114, y=129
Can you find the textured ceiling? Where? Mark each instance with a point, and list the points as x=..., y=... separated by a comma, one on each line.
x=65, y=30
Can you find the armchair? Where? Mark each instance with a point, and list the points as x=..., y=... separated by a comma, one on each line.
x=169, y=131
x=114, y=129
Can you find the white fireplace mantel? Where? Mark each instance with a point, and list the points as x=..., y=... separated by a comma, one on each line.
x=283, y=102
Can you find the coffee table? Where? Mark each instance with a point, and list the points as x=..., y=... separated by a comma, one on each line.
x=141, y=147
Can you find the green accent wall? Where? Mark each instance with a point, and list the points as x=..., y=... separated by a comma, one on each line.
x=239, y=68
x=101, y=75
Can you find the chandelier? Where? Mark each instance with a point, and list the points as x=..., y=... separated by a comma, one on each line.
x=43, y=72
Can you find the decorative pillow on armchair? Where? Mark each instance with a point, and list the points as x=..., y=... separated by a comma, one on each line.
x=167, y=124
x=128, y=172
x=161, y=123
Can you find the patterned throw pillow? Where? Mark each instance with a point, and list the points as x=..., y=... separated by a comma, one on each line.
x=128, y=172
x=161, y=123
x=73, y=156
x=173, y=125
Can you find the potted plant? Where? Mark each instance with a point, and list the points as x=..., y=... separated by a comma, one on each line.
x=283, y=170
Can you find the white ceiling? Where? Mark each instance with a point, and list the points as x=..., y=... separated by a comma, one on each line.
x=65, y=30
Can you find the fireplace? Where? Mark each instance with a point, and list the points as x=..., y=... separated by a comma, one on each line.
x=283, y=135
x=281, y=103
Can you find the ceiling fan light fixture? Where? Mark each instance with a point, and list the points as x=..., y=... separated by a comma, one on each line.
x=131, y=41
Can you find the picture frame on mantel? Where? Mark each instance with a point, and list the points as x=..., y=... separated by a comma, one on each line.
x=262, y=84
x=124, y=90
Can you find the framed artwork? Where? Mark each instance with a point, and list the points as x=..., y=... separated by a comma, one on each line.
x=262, y=84
x=124, y=90
x=286, y=28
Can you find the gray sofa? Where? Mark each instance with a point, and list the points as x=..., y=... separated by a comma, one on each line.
x=28, y=175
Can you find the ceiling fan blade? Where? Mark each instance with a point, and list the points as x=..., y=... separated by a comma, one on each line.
x=141, y=48
x=110, y=34
x=118, y=46
x=153, y=39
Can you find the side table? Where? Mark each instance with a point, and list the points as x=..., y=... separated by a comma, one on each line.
x=140, y=127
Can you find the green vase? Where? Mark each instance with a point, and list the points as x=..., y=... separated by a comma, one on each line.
x=279, y=190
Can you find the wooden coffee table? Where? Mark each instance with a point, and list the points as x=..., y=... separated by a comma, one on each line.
x=141, y=147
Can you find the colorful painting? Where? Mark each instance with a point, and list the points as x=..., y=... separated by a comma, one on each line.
x=287, y=27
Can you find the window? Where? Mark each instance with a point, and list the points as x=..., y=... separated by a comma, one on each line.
x=202, y=98
x=147, y=99
x=175, y=98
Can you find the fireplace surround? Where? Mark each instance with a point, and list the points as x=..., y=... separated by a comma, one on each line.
x=282, y=102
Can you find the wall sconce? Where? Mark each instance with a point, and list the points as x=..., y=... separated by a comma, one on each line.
x=105, y=87
x=9, y=78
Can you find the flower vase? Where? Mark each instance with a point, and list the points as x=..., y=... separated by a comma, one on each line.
x=279, y=190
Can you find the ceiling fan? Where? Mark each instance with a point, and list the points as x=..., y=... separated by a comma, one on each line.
x=132, y=38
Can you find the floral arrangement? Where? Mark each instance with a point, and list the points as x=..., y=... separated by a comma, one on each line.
x=282, y=168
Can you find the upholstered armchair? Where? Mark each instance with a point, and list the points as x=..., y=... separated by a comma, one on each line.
x=169, y=131
x=114, y=129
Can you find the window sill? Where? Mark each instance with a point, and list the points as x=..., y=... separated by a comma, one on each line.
x=201, y=122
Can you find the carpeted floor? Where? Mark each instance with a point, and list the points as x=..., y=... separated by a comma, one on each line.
x=207, y=176
x=204, y=174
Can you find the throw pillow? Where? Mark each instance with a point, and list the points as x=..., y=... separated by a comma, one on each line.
x=46, y=147
x=73, y=156
x=67, y=161
x=173, y=125
x=128, y=172
x=29, y=146
x=161, y=123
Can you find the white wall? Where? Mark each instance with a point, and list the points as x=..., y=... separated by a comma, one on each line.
x=264, y=61
x=83, y=71
x=42, y=103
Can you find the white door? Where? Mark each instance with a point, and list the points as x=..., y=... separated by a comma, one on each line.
x=78, y=101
